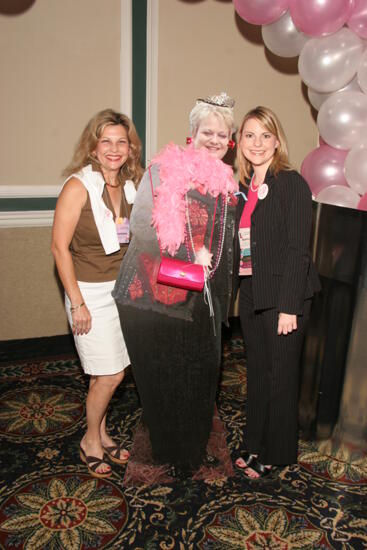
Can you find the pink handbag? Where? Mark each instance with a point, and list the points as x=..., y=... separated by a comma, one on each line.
x=181, y=274
x=178, y=273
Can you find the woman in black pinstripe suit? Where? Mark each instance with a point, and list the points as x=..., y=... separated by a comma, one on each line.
x=277, y=280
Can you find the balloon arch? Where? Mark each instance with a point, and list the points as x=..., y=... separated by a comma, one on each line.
x=330, y=39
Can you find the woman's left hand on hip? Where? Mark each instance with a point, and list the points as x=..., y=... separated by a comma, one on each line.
x=286, y=323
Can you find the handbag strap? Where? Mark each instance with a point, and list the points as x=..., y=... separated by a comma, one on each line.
x=151, y=186
x=215, y=212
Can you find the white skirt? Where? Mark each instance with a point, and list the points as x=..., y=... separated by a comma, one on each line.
x=103, y=350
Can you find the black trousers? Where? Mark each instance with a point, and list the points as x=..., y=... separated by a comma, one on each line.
x=273, y=370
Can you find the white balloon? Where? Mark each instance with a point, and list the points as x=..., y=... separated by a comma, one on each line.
x=318, y=98
x=355, y=168
x=362, y=72
x=339, y=196
x=282, y=37
x=329, y=63
x=342, y=119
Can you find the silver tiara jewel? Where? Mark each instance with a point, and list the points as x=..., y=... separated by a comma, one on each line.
x=221, y=100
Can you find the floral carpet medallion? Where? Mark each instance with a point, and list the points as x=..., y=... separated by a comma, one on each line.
x=334, y=462
x=38, y=412
x=70, y=512
x=262, y=527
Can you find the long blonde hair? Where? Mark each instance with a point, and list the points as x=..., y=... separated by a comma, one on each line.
x=83, y=153
x=271, y=123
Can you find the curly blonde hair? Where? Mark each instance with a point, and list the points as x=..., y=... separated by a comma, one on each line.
x=268, y=119
x=202, y=110
x=83, y=153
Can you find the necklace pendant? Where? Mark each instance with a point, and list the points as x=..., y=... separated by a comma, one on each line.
x=253, y=189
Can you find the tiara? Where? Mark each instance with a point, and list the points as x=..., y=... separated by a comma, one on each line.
x=221, y=100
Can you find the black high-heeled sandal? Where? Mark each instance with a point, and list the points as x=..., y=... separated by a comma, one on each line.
x=259, y=468
x=247, y=458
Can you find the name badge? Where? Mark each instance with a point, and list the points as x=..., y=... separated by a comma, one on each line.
x=262, y=191
x=123, y=230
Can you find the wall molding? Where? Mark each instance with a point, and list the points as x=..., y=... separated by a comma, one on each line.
x=31, y=218
x=29, y=191
x=151, y=134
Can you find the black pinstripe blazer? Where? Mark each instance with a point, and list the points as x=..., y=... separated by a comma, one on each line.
x=283, y=275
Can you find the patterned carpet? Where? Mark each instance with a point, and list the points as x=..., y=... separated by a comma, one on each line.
x=48, y=500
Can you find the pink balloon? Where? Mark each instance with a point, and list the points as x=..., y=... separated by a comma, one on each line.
x=324, y=166
x=362, y=205
x=339, y=196
x=260, y=12
x=320, y=18
x=358, y=19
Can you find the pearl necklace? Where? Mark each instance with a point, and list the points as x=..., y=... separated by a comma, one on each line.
x=209, y=272
x=254, y=189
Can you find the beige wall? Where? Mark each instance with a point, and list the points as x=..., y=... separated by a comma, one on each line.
x=30, y=296
x=60, y=64
x=204, y=48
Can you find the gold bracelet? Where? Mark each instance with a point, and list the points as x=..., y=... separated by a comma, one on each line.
x=74, y=308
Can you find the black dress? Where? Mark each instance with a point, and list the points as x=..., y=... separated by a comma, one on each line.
x=173, y=343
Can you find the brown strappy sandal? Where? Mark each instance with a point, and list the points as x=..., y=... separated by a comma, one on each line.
x=93, y=463
x=117, y=450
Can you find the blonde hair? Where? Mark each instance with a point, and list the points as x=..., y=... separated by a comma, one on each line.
x=83, y=153
x=202, y=110
x=271, y=123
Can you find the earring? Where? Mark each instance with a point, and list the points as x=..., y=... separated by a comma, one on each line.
x=188, y=140
x=231, y=144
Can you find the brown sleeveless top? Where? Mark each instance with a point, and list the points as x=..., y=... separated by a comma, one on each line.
x=90, y=261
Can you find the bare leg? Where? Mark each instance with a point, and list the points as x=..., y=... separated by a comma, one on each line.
x=107, y=441
x=103, y=432
x=101, y=390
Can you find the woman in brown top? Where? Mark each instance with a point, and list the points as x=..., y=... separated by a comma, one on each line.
x=90, y=237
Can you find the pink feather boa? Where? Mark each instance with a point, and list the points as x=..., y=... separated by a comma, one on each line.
x=182, y=169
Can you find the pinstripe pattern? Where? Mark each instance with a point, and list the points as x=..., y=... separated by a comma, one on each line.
x=272, y=381
x=283, y=275
x=283, y=280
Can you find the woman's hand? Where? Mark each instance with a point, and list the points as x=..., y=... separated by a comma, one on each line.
x=286, y=323
x=82, y=320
